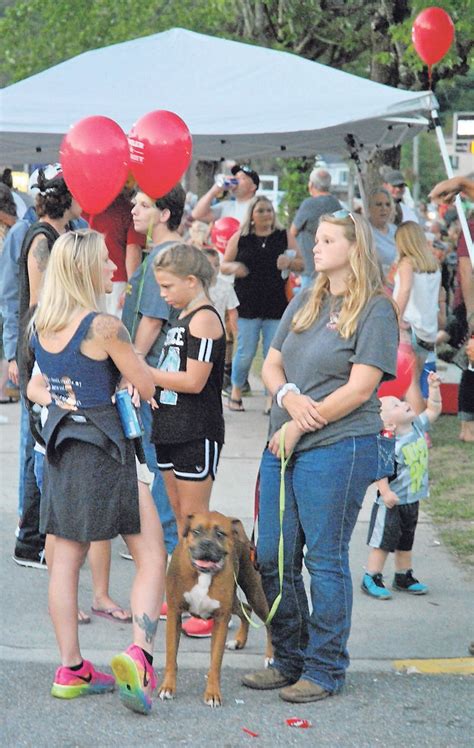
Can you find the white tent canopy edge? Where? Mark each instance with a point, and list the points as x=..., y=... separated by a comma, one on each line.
x=238, y=100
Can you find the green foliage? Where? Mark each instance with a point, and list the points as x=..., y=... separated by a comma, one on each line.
x=37, y=34
x=294, y=173
x=431, y=166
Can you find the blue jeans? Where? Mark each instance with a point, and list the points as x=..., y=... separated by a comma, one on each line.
x=248, y=335
x=325, y=487
x=28, y=538
x=158, y=491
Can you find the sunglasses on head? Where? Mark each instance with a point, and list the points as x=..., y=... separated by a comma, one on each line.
x=343, y=213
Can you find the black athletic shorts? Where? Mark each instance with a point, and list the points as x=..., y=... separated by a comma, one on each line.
x=393, y=529
x=194, y=460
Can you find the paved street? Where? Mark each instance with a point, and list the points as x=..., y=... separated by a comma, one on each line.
x=378, y=707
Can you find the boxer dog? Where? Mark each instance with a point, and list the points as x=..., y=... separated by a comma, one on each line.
x=213, y=552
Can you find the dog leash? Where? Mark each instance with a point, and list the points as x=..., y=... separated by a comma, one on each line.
x=284, y=460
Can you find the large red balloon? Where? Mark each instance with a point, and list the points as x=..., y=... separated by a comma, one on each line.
x=432, y=34
x=222, y=230
x=160, y=151
x=95, y=162
x=405, y=370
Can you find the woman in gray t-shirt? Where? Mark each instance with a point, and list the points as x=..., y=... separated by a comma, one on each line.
x=333, y=347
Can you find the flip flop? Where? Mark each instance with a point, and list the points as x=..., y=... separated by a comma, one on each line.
x=238, y=403
x=83, y=618
x=109, y=613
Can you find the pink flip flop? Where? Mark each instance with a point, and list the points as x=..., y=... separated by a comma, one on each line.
x=109, y=614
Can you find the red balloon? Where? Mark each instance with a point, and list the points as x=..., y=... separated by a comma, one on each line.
x=95, y=162
x=222, y=230
x=160, y=151
x=432, y=34
x=405, y=369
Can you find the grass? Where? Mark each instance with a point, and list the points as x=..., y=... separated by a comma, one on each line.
x=451, y=502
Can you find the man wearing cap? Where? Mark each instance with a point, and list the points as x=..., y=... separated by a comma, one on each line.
x=236, y=205
x=395, y=184
x=307, y=218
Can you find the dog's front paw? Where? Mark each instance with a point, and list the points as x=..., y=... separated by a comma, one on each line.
x=234, y=644
x=167, y=690
x=212, y=697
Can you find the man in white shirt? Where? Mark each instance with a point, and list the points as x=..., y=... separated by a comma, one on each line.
x=395, y=184
x=236, y=205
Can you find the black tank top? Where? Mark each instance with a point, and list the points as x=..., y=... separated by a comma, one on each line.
x=183, y=417
x=261, y=293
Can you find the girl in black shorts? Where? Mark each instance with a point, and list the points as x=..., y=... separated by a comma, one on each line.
x=188, y=424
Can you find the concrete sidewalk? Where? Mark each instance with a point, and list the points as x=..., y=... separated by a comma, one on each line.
x=438, y=625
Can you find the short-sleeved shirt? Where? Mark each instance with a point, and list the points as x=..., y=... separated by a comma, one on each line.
x=410, y=481
x=306, y=221
x=385, y=246
x=116, y=223
x=182, y=416
x=231, y=208
x=319, y=361
x=223, y=296
x=143, y=299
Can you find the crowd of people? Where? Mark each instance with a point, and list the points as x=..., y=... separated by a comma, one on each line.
x=137, y=300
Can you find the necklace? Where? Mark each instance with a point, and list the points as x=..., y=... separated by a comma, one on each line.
x=190, y=305
x=263, y=240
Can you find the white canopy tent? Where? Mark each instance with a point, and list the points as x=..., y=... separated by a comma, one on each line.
x=238, y=100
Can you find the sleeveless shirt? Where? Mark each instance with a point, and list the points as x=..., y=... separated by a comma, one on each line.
x=261, y=293
x=182, y=416
x=73, y=378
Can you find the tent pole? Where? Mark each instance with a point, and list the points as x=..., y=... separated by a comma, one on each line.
x=450, y=174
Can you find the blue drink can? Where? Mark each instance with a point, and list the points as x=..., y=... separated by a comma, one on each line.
x=131, y=422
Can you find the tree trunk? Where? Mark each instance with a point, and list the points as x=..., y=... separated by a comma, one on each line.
x=205, y=171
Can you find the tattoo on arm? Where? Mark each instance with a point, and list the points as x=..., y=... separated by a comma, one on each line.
x=41, y=254
x=109, y=327
x=148, y=625
x=123, y=335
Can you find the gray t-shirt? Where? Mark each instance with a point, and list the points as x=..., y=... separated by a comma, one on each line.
x=319, y=361
x=143, y=299
x=306, y=221
x=385, y=246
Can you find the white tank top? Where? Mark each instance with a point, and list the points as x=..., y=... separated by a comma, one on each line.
x=421, y=312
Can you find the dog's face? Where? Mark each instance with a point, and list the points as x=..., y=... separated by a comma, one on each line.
x=209, y=540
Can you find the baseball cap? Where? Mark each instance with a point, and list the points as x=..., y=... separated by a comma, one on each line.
x=395, y=178
x=51, y=171
x=247, y=170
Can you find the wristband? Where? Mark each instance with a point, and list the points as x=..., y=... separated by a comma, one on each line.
x=283, y=390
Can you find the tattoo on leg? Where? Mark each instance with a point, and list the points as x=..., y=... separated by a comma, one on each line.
x=148, y=625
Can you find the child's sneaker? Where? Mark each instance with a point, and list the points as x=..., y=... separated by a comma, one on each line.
x=71, y=683
x=136, y=679
x=198, y=628
x=406, y=582
x=372, y=584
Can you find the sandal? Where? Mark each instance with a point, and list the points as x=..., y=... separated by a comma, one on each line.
x=238, y=405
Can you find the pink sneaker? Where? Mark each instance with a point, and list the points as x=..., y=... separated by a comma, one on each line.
x=136, y=679
x=164, y=612
x=71, y=683
x=198, y=628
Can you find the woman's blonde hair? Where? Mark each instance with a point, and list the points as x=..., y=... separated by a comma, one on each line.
x=73, y=279
x=381, y=191
x=246, y=226
x=411, y=243
x=363, y=282
x=183, y=260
